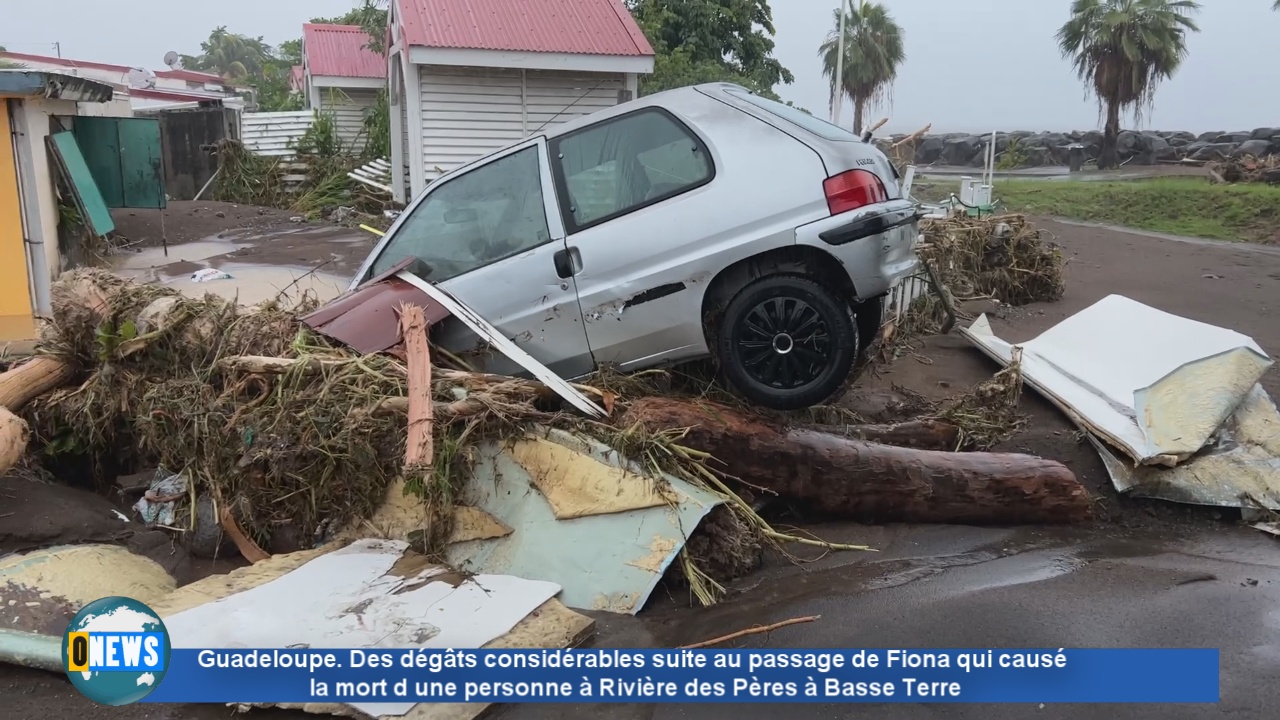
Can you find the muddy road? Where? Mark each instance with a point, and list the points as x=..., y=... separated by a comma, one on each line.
x=1149, y=575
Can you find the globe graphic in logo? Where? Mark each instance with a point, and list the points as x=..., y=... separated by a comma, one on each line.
x=124, y=666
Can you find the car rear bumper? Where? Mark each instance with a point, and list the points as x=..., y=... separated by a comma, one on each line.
x=876, y=245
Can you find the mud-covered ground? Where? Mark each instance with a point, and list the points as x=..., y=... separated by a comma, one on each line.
x=1149, y=574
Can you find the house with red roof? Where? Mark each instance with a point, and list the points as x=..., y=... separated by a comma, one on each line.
x=469, y=77
x=342, y=76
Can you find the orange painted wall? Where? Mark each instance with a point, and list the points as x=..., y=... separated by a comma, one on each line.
x=16, y=322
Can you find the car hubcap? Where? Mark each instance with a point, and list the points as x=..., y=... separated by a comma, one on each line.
x=784, y=343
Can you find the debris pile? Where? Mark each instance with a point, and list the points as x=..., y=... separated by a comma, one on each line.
x=1001, y=257
x=290, y=436
x=1246, y=169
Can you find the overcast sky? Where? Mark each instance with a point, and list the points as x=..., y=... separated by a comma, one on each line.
x=971, y=66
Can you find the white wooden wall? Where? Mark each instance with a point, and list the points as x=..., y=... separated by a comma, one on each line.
x=274, y=133
x=348, y=106
x=468, y=113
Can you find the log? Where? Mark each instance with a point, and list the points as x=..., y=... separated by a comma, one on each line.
x=919, y=434
x=23, y=383
x=419, y=446
x=14, y=435
x=859, y=480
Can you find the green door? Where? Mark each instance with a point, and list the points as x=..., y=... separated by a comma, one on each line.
x=141, y=168
x=99, y=141
x=123, y=154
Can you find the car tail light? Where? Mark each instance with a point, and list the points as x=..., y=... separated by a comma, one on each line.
x=852, y=190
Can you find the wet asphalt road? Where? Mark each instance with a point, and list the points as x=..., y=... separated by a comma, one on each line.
x=965, y=587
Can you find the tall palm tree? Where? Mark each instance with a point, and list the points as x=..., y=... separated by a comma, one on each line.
x=1122, y=49
x=873, y=50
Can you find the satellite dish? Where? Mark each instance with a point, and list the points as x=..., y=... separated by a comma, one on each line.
x=141, y=78
x=173, y=60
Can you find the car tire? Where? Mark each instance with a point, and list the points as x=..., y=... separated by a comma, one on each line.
x=786, y=342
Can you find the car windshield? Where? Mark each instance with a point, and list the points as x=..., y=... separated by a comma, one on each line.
x=796, y=116
x=475, y=219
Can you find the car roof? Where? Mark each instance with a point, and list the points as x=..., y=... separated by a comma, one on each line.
x=676, y=100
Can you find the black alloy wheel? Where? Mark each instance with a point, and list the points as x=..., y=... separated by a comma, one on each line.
x=787, y=342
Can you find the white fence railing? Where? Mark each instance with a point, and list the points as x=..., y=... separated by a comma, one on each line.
x=901, y=296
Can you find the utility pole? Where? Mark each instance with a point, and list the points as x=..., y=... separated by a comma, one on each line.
x=839, y=93
x=57, y=47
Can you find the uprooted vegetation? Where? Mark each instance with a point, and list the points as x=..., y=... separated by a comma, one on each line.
x=1004, y=258
x=302, y=436
x=313, y=184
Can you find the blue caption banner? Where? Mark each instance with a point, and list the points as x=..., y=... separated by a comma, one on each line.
x=690, y=676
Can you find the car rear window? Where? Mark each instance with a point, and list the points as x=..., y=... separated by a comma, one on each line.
x=795, y=116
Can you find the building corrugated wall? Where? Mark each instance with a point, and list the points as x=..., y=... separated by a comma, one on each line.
x=468, y=113
x=274, y=133
x=348, y=106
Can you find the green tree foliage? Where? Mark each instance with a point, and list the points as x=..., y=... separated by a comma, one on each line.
x=873, y=50
x=699, y=41
x=251, y=62
x=1122, y=49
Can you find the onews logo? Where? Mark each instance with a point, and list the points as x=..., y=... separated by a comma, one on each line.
x=115, y=651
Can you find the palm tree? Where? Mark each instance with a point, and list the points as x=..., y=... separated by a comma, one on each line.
x=873, y=50
x=233, y=56
x=1122, y=49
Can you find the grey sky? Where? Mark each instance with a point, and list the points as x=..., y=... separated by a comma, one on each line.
x=971, y=66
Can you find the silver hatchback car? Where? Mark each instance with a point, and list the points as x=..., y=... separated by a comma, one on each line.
x=703, y=221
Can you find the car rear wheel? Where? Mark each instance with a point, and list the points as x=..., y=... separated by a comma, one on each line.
x=787, y=342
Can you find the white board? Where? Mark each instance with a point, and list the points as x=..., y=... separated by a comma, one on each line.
x=349, y=598
x=1155, y=385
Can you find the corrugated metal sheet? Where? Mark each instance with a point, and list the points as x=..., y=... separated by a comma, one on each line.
x=274, y=133
x=348, y=106
x=340, y=51
x=587, y=27
x=469, y=113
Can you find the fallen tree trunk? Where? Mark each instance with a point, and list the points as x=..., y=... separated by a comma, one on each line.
x=13, y=439
x=860, y=480
x=23, y=383
x=919, y=434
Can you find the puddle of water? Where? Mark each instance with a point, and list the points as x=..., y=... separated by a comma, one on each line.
x=252, y=284
x=154, y=257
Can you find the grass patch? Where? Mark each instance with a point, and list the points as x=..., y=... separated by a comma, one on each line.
x=1181, y=206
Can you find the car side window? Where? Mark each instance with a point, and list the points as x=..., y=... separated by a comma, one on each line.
x=475, y=219
x=624, y=164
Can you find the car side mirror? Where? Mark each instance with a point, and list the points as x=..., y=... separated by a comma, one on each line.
x=463, y=215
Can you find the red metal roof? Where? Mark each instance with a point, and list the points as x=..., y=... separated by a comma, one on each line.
x=581, y=27
x=340, y=51
x=188, y=75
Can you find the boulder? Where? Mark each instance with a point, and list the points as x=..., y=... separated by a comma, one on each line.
x=1209, y=137
x=1252, y=148
x=1129, y=144
x=930, y=151
x=1182, y=135
x=1180, y=140
x=1092, y=142
x=1214, y=151
x=1264, y=133
x=1235, y=137
x=962, y=150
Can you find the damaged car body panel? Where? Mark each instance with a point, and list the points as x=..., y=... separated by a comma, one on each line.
x=695, y=222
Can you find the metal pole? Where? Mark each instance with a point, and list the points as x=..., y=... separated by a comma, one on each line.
x=839, y=92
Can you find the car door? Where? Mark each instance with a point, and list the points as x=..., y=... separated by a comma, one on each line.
x=655, y=206
x=491, y=235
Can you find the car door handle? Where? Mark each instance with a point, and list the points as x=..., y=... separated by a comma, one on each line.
x=568, y=262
